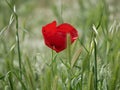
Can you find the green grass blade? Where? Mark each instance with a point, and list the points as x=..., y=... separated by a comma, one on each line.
x=75, y=57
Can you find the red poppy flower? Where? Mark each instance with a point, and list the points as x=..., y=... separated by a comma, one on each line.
x=55, y=36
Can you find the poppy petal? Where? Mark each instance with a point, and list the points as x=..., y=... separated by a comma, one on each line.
x=49, y=29
x=67, y=28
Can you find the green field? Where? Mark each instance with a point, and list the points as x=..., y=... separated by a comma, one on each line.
x=92, y=62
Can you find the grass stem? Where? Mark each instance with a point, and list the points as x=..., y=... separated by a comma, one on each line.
x=95, y=63
x=18, y=43
x=11, y=4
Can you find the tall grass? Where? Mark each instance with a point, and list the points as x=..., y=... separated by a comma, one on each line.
x=90, y=63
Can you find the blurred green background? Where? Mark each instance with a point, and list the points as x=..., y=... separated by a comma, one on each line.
x=33, y=14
